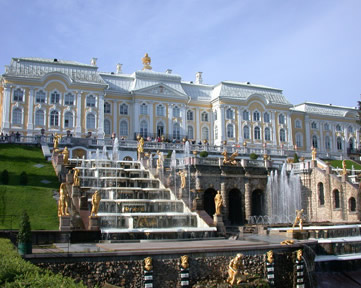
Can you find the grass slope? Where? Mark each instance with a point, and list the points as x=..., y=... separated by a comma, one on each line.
x=36, y=197
x=349, y=164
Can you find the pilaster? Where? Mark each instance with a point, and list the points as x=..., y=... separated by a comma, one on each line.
x=6, y=107
x=248, y=199
x=101, y=116
x=198, y=123
x=30, y=126
x=78, y=114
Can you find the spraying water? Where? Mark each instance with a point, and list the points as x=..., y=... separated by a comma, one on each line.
x=115, y=149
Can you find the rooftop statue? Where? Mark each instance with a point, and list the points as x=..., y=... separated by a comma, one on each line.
x=146, y=62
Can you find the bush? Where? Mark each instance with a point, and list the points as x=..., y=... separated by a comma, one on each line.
x=253, y=156
x=24, y=234
x=203, y=154
x=295, y=158
x=23, y=178
x=5, y=177
x=169, y=154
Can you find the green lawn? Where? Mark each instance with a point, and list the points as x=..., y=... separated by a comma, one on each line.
x=349, y=164
x=35, y=197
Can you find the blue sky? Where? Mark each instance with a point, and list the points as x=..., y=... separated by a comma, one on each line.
x=310, y=49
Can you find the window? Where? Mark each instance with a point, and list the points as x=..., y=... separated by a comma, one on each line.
x=246, y=132
x=314, y=141
x=229, y=114
x=176, y=131
x=338, y=127
x=267, y=134
x=107, y=129
x=160, y=129
x=39, y=118
x=18, y=95
x=17, y=116
x=349, y=129
x=299, y=140
x=327, y=143
x=352, y=204
x=90, y=121
x=123, y=109
x=298, y=124
x=257, y=133
x=143, y=129
x=326, y=127
x=215, y=132
x=107, y=108
x=339, y=143
x=215, y=114
x=336, y=199
x=190, y=132
x=281, y=119
x=256, y=116
x=205, y=117
x=40, y=97
x=230, y=131
x=266, y=117
x=90, y=101
x=321, y=194
x=282, y=135
x=69, y=99
x=160, y=110
x=314, y=125
x=176, y=111
x=144, y=109
x=54, y=98
x=190, y=115
x=54, y=118
x=68, y=120
x=123, y=129
x=245, y=115
x=205, y=133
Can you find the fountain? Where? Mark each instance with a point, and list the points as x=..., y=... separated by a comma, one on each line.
x=115, y=149
x=284, y=196
x=104, y=154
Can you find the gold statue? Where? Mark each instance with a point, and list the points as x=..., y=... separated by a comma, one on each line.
x=344, y=169
x=65, y=153
x=185, y=261
x=76, y=180
x=95, y=203
x=146, y=62
x=148, y=264
x=298, y=219
x=231, y=160
x=287, y=242
x=160, y=160
x=314, y=153
x=270, y=256
x=140, y=147
x=218, y=201
x=56, y=142
x=182, y=175
x=63, y=209
x=299, y=254
x=234, y=273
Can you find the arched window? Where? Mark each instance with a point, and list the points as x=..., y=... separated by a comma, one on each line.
x=90, y=121
x=215, y=132
x=176, y=111
x=336, y=199
x=326, y=127
x=245, y=115
x=54, y=98
x=205, y=116
x=281, y=119
x=338, y=127
x=69, y=99
x=229, y=114
x=18, y=95
x=107, y=127
x=160, y=129
x=256, y=116
x=267, y=134
x=90, y=101
x=190, y=132
x=327, y=143
x=298, y=124
x=205, y=133
x=314, y=125
x=314, y=141
x=160, y=110
x=68, y=120
x=39, y=118
x=107, y=108
x=266, y=117
x=352, y=204
x=176, y=131
x=54, y=118
x=299, y=140
x=230, y=133
x=351, y=143
x=321, y=194
x=143, y=129
x=123, y=128
x=17, y=116
x=282, y=135
x=339, y=143
x=40, y=97
x=257, y=133
x=190, y=115
x=123, y=109
x=246, y=132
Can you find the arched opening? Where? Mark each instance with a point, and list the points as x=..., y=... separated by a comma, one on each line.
x=321, y=194
x=352, y=204
x=78, y=153
x=128, y=158
x=208, y=201
x=258, y=202
x=336, y=199
x=235, y=207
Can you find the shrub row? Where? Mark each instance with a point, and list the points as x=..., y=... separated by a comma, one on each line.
x=16, y=272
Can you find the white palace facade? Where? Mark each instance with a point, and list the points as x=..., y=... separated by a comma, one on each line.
x=47, y=96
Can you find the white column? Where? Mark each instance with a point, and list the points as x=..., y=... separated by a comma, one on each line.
x=307, y=132
x=78, y=115
x=183, y=114
x=222, y=124
x=240, y=134
x=170, y=114
x=334, y=142
x=101, y=116
x=274, y=127
x=322, y=146
x=289, y=131
x=6, y=107
x=345, y=138
x=198, y=123
x=151, y=129
x=115, y=118
x=136, y=117
x=211, y=132
x=30, y=126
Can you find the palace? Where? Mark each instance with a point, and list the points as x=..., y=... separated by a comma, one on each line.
x=47, y=96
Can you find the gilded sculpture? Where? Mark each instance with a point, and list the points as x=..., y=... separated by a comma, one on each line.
x=140, y=147
x=95, y=203
x=76, y=180
x=65, y=153
x=56, y=141
x=185, y=261
x=63, y=209
x=287, y=242
x=314, y=153
x=298, y=219
x=270, y=256
x=234, y=270
x=229, y=160
x=299, y=254
x=160, y=160
x=218, y=201
x=182, y=175
x=146, y=60
x=148, y=264
x=344, y=169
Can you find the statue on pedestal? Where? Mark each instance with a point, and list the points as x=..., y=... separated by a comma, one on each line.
x=298, y=219
x=218, y=201
x=140, y=149
x=76, y=180
x=146, y=60
x=160, y=160
x=344, y=169
x=56, y=142
x=185, y=261
x=182, y=175
x=234, y=270
x=314, y=153
x=65, y=153
x=148, y=264
x=95, y=203
x=63, y=201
